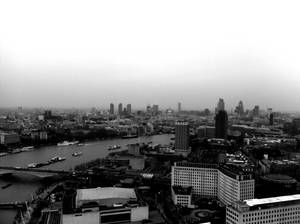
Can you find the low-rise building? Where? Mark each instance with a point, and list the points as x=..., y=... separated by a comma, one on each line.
x=9, y=138
x=283, y=210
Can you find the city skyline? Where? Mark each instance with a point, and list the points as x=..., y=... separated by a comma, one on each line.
x=108, y=55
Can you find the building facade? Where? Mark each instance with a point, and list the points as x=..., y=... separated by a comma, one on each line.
x=182, y=135
x=221, y=124
x=211, y=180
x=276, y=210
x=111, y=108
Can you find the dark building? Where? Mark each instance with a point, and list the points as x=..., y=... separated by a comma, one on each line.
x=182, y=135
x=271, y=119
x=221, y=124
x=129, y=108
x=112, y=108
x=120, y=108
x=296, y=126
x=256, y=111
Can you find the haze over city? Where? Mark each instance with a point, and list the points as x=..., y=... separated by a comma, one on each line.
x=70, y=54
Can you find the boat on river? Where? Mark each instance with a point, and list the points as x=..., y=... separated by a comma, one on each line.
x=75, y=154
x=67, y=143
x=56, y=159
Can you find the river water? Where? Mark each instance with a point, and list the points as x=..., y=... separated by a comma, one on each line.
x=24, y=185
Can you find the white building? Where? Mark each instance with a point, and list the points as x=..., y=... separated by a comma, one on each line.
x=109, y=205
x=276, y=210
x=211, y=180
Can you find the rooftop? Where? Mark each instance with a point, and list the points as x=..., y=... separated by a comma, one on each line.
x=105, y=192
x=263, y=201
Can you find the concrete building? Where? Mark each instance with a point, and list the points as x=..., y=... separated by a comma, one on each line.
x=9, y=138
x=206, y=132
x=182, y=135
x=179, y=107
x=111, y=108
x=128, y=108
x=120, y=108
x=281, y=210
x=211, y=180
x=221, y=124
x=109, y=205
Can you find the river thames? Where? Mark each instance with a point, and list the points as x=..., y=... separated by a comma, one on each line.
x=24, y=185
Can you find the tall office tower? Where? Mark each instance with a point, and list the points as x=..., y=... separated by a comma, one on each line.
x=283, y=210
x=182, y=135
x=111, y=108
x=240, y=108
x=271, y=119
x=179, y=107
x=120, y=108
x=220, y=105
x=256, y=110
x=226, y=183
x=128, y=108
x=221, y=124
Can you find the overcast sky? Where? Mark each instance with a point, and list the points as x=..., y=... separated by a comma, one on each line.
x=90, y=53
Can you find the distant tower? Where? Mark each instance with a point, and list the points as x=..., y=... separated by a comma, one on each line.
x=148, y=109
x=120, y=109
x=155, y=109
x=220, y=105
x=256, y=110
x=179, y=107
x=240, y=108
x=182, y=135
x=271, y=119
x=221, y=124
x=111, y=108
x=128, y=108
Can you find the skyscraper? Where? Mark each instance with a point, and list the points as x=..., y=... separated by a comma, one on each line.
x=240, y=108
x=128, y=108
x=111, y=108
x=179, y=107
x=221, y=124
x=220, y=105
x=120, y=108
x=271, y=119
x=256, y=111
x=182, y=135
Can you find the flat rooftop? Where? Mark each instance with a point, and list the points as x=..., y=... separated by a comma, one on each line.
x=105, y=193
x=264, y=201
x=89, y=217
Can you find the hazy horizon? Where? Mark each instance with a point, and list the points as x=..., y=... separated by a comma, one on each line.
x=78, y=54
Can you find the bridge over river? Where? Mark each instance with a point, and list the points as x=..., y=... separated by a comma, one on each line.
x=42, y=173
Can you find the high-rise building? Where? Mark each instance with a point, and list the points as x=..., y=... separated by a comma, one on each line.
x=179, y=107
x=182, y=135
x=271, y=119
x=240, y=108
x=111, y=108
x=221, y=124
x=256, y=110
x=220, y=105
x=120, y=108
x=212, y=180
x=283, y=210
x=128, y=108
